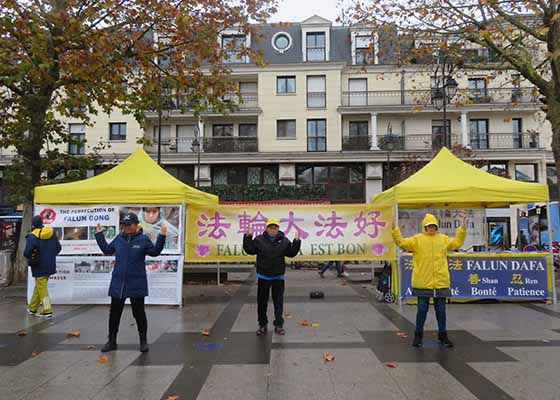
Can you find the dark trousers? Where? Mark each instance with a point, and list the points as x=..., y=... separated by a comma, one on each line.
x=138, y=311
x=263, y=291
x=422, y=313
x=329, y=264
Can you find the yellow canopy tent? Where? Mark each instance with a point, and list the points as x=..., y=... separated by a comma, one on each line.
x=447, y=181
x=136, y=180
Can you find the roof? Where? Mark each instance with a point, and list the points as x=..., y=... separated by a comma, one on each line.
x=136, y=180
x=447, y=181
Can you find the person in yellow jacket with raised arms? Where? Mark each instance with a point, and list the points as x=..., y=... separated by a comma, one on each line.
x=430, y=272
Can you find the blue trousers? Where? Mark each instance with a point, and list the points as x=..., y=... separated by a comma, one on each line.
x=422, y=313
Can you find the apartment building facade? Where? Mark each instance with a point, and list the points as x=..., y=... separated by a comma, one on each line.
x=328, y=112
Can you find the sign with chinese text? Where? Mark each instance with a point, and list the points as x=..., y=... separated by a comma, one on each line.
x=328, y=232
x=491, y=276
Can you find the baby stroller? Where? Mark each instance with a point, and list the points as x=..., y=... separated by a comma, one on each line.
x=384, y=284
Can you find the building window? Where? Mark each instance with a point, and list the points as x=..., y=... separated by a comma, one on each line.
x=316, y=48
x=77, y=139
x=316, y=135
x=165, y=134
x=286, y=128
x=242, y=175
x=248, y=130
x=497, y=168
x=222, y=130
x=357, y=92
x=281, y=42
x=479, y=133
x=343, y=183
x=117, y=131
x=316, y=92
x=359, y=128
x=233, y=47
x=526, y=172
x=517, y=127
x=477, y=90
x=552, y=181
x=285, y=84
x=364, y=50
x=441, y=136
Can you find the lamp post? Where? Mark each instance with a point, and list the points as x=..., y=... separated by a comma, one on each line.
x=163, y=105
x=195, y=147
x=444, y=91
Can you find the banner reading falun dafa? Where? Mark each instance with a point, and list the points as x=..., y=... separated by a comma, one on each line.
x=328, y=232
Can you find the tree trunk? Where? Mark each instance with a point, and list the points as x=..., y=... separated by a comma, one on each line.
x=553, y=116
x=20, y=266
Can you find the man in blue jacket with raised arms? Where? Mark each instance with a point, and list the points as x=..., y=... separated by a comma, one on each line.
x=129, y=279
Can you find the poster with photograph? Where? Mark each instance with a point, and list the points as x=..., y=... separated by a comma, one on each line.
x=85, y=280
x=9, y=232
x=75, y=225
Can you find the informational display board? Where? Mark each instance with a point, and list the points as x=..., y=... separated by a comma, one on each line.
x=328, y=232
x=75, y=225
x=85, y=280
x=491, y=276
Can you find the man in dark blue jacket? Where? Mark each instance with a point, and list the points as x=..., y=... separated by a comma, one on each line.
x=270, y=248
x=41, y=249
x=129, y=275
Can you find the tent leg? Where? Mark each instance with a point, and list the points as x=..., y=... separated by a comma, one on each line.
x=552, y=271
x=398, y=266
x=218, y=280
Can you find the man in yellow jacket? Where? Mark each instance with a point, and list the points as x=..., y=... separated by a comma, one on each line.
x=430, y=272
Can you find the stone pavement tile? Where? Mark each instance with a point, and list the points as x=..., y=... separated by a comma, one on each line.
x=545, y=360
x=337, y=321
x=354, y=374
x=89, y=371
x=197, y=317
x=29, y=375
x=140, y=383
x=421, y=381
x=67, y=391
x=236, y=382
x=93, y=325
x=519, y=380
x=14, y=317
x=527, y=333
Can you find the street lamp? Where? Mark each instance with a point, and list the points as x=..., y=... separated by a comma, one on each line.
x=195, y=147
x=443, y=92
x=163, y=105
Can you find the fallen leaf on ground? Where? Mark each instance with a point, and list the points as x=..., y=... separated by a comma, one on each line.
x=174, y=397
x=35, y=354
x=75, y=333
x=90, y=347
x=304, y=322
x=287, y=315
x=392, y=364
x=103, y=359
x=21, y=333
x=402, y=334
x=315, y=324
x=206, y=332
x=328, y=357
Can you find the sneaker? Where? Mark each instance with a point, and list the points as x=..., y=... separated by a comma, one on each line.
x=417, y=339
x=46, y=315
x=444, y=340
x=261, y=331
x=279, y=330
x=34, y=313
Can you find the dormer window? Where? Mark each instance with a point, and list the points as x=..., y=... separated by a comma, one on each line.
x=233, y=46
x=316, y=47
x=365, y=49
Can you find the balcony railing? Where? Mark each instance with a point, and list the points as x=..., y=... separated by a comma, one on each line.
x=235, y=144
x=180, y=104
x=316, y=99
x=316, y=53
x=356, y=143
x=424, y=97
x=484, y=141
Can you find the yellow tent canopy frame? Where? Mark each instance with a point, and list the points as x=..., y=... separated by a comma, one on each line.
x=447, y=181
x=136, y=180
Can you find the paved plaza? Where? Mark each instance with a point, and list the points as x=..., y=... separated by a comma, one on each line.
x=503, y=351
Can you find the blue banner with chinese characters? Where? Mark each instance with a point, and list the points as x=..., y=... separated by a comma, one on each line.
x=491, y=276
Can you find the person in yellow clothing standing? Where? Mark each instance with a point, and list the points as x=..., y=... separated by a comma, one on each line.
x=41, y=248
x=430, y=272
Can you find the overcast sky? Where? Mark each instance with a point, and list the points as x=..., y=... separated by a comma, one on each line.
x=299, y=10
